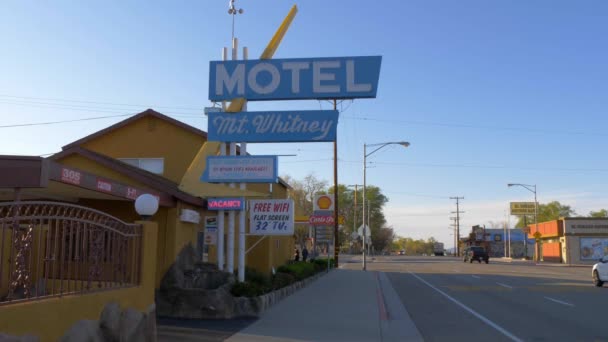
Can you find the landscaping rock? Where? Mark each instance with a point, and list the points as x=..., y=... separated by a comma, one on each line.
x=132, y=326
x=24, y=338
x=110, y=322
x=84, y=331
x=150, y=324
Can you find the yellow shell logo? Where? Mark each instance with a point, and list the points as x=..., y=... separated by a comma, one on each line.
x=324, y=202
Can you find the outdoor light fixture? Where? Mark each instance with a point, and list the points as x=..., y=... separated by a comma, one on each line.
x=365, y=155
x=146, y=206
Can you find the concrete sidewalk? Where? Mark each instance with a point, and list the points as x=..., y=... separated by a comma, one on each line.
x=343, y=305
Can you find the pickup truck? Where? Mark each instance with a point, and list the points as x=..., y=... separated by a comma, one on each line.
x=476, y=253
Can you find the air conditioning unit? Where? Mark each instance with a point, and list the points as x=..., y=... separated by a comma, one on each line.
x=190, y=216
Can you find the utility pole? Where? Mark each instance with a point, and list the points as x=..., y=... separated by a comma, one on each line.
x=457, y=212
x=454, y=225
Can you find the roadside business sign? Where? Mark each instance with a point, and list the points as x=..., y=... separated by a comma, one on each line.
x=242, y=169
x=522, y=208
x=321, y=220
x=323, y=203
x=295, y=78
x=232, y=203
x=274, y=126
x=324, y=234
x=271, y=217
x=210, y=230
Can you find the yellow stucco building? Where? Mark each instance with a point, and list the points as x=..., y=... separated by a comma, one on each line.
x=154, y=152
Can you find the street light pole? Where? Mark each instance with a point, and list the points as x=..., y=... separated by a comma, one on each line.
x=365, y=155
x=364, y=188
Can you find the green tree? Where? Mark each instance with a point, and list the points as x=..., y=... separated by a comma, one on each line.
x=548, y=212
x=599, y=213
x=303, y=193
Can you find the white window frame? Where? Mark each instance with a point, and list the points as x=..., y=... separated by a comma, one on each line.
x=139, y=160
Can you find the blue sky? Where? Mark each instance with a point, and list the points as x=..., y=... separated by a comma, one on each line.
x=487, y=92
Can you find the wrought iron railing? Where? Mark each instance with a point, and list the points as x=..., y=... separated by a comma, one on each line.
x=54, y=249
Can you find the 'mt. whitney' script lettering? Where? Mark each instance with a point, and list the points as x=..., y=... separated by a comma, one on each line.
x=274, y=126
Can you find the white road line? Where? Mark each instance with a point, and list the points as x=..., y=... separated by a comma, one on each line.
x=457, y=271
x=471, y=311
x=474, y=276
x=505, y=285
x=559, y=301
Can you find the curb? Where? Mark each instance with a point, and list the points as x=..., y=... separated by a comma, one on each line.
x=266, y=301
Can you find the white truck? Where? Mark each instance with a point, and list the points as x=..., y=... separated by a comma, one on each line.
x=438, y=249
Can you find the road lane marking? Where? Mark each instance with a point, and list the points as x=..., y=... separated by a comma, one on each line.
x=455, y=270
x=471, y=311
x=559, y=301
x=505, y=285
x=474, y=276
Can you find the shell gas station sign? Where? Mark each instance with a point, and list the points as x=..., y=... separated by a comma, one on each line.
x=323, y=203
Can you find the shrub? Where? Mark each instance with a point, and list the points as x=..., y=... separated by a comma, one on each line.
x=247, y=289
x=256, y=277
x=321, y=264
x=281, y=280
x=284, y=269
x=301, y=270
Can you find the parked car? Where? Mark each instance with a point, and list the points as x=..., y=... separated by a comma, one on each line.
x=402, y=252
x=600, y=272
x=476, y=253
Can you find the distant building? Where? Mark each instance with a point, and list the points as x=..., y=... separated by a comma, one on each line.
x=497, y=242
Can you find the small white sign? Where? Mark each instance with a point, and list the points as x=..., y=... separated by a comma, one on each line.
x=210, y=230
x=190, y=216
x=271, y=217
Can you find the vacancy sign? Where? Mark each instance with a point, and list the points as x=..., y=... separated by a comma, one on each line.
x=271, y=217
x=295, y=79
x=241, y=169
x=274, y=126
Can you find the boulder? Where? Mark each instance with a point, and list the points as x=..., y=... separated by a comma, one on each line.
x=24, y=338
x=83, y=331
x=132, y=326
x=150, y=324
x=110, y=322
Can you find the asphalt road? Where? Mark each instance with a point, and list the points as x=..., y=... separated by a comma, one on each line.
x=449, y=300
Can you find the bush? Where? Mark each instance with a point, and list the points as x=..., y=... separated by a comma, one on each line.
x=281, y=280
x=247, y=289
x=256, y=277
x=321, y=264
x=300, y=270
x=283, y=269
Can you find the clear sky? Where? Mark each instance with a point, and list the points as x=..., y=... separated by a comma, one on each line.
x=487, y=92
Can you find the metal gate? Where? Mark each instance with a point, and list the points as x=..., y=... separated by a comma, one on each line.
x=53, y=249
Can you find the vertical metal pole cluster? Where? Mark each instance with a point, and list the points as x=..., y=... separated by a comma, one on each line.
x=457, y=212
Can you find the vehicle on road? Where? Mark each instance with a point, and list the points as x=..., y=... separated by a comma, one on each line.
x=438, y=249
x=402, y=252
x=600, y=272
x=476, y=253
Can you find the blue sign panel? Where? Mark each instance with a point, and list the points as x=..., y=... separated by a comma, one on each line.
x=241, y=169
x=280, y=126
x=236, y=203
x=292, y=79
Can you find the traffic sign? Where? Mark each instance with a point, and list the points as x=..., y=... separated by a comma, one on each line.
x=537, y=235
x=341, y=219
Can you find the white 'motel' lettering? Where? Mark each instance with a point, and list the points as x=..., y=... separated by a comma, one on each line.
x=323, y=76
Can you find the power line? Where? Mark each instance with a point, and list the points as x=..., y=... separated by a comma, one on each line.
x=95, y=102
x=63, y=121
